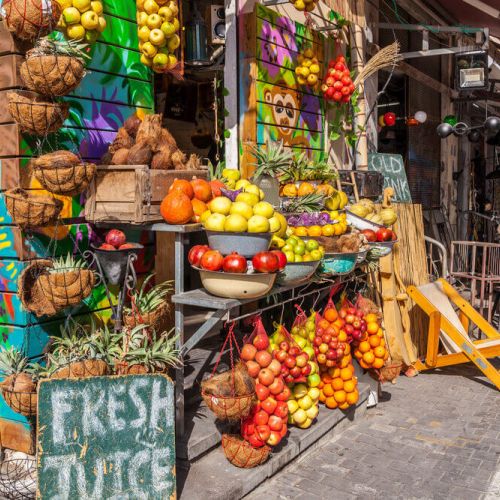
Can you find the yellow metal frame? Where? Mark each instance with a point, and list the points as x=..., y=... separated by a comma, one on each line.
x=471, y=351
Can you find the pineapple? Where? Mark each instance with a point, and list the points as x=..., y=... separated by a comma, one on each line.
x=309, y=203
x=47, y=46
x=273, y=160
x=148, y=301
x=70, y=263
x=14, y=366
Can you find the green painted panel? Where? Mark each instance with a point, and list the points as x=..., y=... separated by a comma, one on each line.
x=392, y=167
x=125, y=8
x=106, y=437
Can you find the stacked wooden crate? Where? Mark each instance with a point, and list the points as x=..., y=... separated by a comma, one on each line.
x=116, y=85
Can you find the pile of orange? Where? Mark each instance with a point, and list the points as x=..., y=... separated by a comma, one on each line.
x=371, y=352
x=327, y=230
x=338, y=386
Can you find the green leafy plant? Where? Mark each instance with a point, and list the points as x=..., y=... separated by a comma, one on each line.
x=273, y=159
x=148, y=301
x=73, y=48
x=12, y=361
x=68, y=263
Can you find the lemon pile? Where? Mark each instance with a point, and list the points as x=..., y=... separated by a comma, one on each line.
x=308, y=69
x=81, y=19
x=307, y=5
x=158, y=25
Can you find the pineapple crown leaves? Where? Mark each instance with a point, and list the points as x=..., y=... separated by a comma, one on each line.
x=74, y=343
x=273, y=159
x=68, y=263
x=215, y=171
x=12, y=361
x=147, y=301
x=309, y=203
x=49, y=46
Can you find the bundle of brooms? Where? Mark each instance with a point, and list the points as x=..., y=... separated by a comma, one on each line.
x=62, y=172
x=145, y=142
x=231, y=394
x=36, y=115
x=241, y=453
x=384, y=58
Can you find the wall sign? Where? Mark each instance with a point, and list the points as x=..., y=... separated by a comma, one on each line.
x=106, y=437
x=391, y=166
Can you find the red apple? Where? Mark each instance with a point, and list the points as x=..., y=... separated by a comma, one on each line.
x=277, y=386
x=302, y=359
x=255, y=441
x=261, y=418
x=283, y=430
x=262, y=391
x=253, y=368
x=296, y=372
x=280, y=355
x=284, y=394
x=261, y=341
x=266, y=377
x=290, y=361
x=274, y=438
x=321, y=358
x=269, y=405
x=263, y=358
x=275, y=423
x=306, y=370
x=281, y=409
x=262, y=432
x=284, y=346
x=294, y=350
x=248, y=352
x=289, y=379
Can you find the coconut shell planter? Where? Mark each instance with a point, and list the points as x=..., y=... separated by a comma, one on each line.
x=241, y=453
x=30, y=211
x=34, y=114
x=62, y=172
x=19, y=392
x=82, y=369
x=30, y=19
x=158, y=319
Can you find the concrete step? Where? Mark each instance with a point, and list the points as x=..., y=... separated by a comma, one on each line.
x=212, y=476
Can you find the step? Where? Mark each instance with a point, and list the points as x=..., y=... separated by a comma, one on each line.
x=212, y=476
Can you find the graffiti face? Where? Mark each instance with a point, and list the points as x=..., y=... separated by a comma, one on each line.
x=285, y=108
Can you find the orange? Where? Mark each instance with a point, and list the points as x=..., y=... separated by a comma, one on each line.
x=328, y=390
x=334, y=372
x=368, y=357
x=347, y=349
x=300, y=231
x=382, y=341
x=380, y=332
x=322, y=397
x=344, y=406
x=378, y=363
x=386, y=355
x=340, y=396
x=349, y=386
x=314, y=231
x=331, y=314
x=364, y=346
x=326, y=378
x=338, y=229
x=358, y=354
x=328, y=230
x=342, y=336
x=371, y=318
x=374, y=340
x=337, y=384
x=363, y=364
x=372, y=328
x=321, y=385
x=345, y=362
x=379, y=352
x=352, y=398
x=331, y=403
x=346, y=374
x=324, y=324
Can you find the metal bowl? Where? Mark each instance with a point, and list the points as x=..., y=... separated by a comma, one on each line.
x=297, y=272
x=236, y=285
x=246, y=244
x=339, y=263
x=362, y=256
x=114, y=262
x=360, y=223
x=381, y=248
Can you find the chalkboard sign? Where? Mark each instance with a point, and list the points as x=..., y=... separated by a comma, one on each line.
x=393, y=169
x=106, y=438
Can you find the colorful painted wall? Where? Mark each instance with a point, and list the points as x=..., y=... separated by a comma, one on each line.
x=115, y=86
x=274, y=105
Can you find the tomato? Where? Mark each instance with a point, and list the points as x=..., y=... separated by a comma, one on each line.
x=281, y=258
x=212, y=260
x=234, y=263
x=196, y=253
x=330, y=81
x=337, y=96
x=340, y=66
x=340, y=59
x=384, y=234
x=346, y=80
x=338, y=85
x=265, y=262
x=346, y=98
x=338, y=75
x=330, y=93
x=345, y=91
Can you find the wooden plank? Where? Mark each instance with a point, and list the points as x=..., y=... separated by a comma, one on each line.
x=9, y=71
x=15, y=435
x=10, y=44
x=15, y=172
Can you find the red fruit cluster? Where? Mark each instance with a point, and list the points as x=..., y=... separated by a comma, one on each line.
x=267, y=422
x=383, y=234
x=338, y=85
x=212, y=260
x=115, y=240
x=354, y=324
x=294, y=363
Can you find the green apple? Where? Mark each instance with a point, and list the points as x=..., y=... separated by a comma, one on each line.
x=292, y=241
x=76, y=32
x=300, y=248
x=316, y=255
x=252, y=188
x=102, y=24
x=232, y=174
x=264, y=208
x=157, y=37
x=310, y=352
x=241, y=208
x=312, y=245
x=81, y=5
x=312, y=412
x=299, y=258
x=301, y=342
x=215, y=222
x=300, y=390
x=172, y=61
x=235, y=224
x=71, y=15
x=174, y=43
x=154, y=21
x=205, y=215
x=177, y=25
x=306, y=424
x=287, y=248
x=258, y=224
x=89, y=20
x=168, y=28
x=248, y=198
x=311, y=336
x=300, y=416
x=314, y=393
x=293, y=406
x=290, y=256
x=151, y=7
x=161, y=61
x=220, y=205
x=242, y=183
x=165, y=13
x=313, y=380
x=148, y=49
x=274, y=224
x=143, y=34
x=96, y=7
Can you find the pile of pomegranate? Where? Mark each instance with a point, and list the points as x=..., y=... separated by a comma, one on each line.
x=115, y=240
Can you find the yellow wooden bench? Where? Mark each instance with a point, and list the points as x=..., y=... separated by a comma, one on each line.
x=452, y=329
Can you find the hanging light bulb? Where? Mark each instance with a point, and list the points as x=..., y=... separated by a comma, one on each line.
x=421, y=116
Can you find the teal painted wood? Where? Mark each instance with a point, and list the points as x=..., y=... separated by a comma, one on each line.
x=106, y=437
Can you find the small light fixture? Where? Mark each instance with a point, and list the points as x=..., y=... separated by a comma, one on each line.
x=471, y=70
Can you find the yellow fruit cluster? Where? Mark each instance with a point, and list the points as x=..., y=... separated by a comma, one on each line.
x=307, y=5
x=303, y=405
x=339, y=386
x=81, y=19
x=158, y=25
x=308, y=68
x=291, y=190
x=371, y=352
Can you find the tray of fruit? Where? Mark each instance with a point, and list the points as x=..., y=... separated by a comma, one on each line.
x=380, y=242
x=232, y=276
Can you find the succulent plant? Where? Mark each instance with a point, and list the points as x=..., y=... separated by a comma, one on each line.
x=12, y=361
x=68, y=263
x=47, y=46
x=74, y=343
x=147, y=301
x=273, y=159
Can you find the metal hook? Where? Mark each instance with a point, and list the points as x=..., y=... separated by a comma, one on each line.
x=316, y=300
x=282, y=313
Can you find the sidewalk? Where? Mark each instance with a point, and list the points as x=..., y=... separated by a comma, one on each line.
x=436, y=436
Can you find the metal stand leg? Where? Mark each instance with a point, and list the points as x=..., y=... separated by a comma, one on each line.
x=180, y=239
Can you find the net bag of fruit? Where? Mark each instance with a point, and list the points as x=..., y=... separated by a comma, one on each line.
x=230, y=394
x=267, y=422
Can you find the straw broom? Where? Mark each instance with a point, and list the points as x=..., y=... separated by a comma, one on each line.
x=388, y=56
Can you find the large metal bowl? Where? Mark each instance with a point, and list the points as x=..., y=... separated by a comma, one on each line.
x=297, y=272
x=246, y=244
x=381, y=248
x=360, y=223
x=236, y=285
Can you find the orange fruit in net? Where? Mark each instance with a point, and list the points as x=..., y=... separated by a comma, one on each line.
x=372, y=328
x=382, y=342
x=352, y=398
x=342, y=336
x=358, y=354
x=363, y=364
x=331, y=314
x=331, y=403
x=368, y=358
x=337, y=384
x=380, y=332
x=345, y=361
x=346, y=373
x=300, y=231
x=344, y=406
x=321, y=385
x=334, y=372
x=347, y=350
x=328, y=230
x=328, y=390
x=364, y=346
x=374, y=340
x=322, y=397
x=371, y=318
x=340, y=396
x=323, y=324
x=378, y=363
x=379, y=352
x=349, y=386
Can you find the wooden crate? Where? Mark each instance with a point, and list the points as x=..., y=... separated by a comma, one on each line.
x=131, y=193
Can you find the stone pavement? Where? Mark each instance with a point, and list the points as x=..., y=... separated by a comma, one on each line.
x=435, y=436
